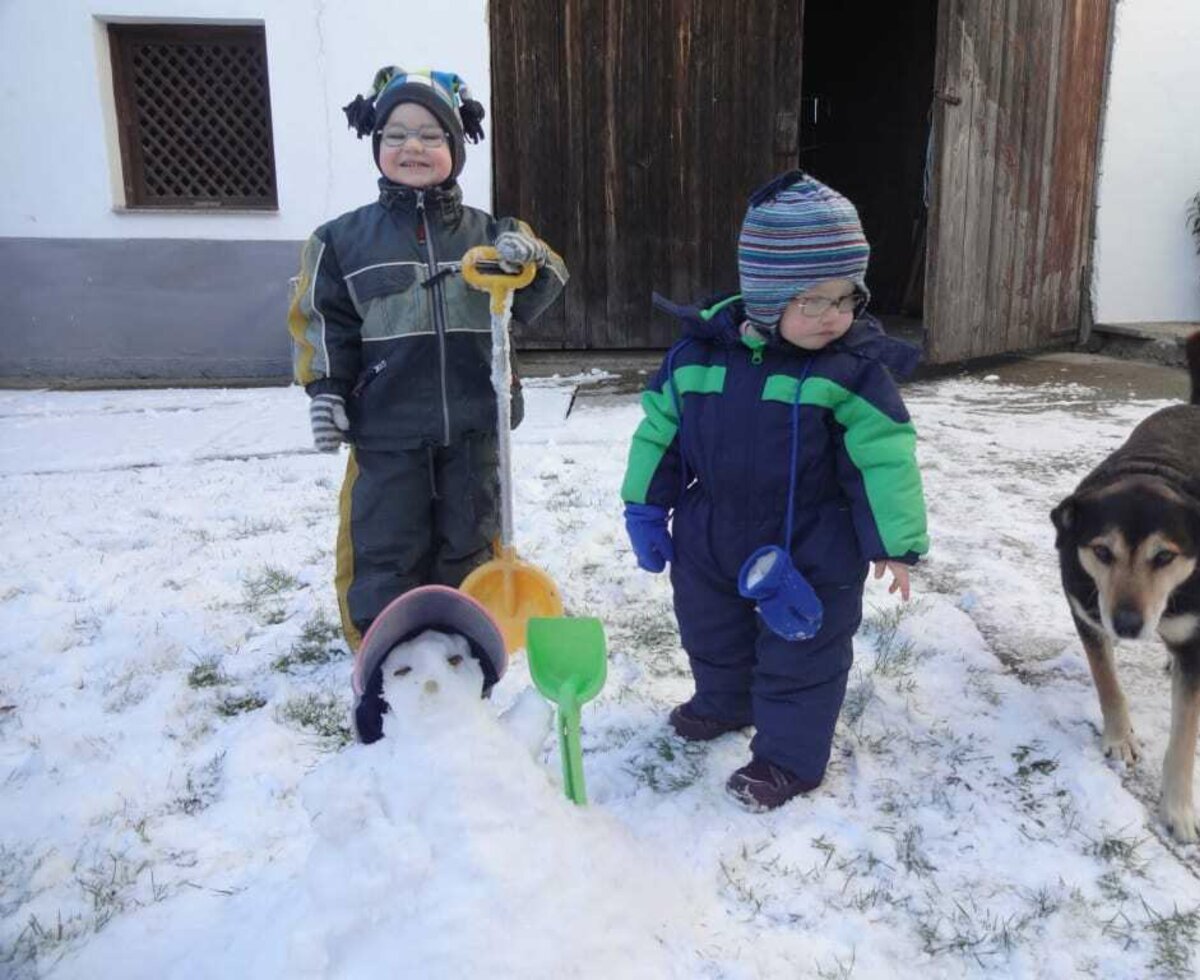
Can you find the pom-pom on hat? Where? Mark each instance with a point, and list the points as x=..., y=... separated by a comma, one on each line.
x=797, y=233
x=444, y=94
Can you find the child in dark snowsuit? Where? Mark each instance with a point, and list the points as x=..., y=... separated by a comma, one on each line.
x=777, y=443
x=394, y=349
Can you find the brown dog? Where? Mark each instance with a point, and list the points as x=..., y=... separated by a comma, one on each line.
x=1129, y=550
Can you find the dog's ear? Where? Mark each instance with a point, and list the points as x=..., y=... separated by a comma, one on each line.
x=1063, y=517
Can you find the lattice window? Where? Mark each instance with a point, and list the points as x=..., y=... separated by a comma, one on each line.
x=194, y=112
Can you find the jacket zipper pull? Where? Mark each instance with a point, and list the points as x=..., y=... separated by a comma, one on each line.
x=420, y=217
x=373, y=372
x=756, y=356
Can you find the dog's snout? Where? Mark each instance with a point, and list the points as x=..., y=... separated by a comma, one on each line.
x=1127, y=622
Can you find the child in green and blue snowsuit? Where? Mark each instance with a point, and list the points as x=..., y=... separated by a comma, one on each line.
x=395, y=349
x=776, y=445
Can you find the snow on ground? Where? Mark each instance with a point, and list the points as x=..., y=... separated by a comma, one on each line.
x=181, y=798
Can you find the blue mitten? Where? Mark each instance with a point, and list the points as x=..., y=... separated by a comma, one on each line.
x=786, y=602
x=646, y=526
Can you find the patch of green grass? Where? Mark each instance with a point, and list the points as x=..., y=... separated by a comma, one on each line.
x=667, y=766
x=910, y=853
x=201, y=788
x=1113, y=848
x=325, y=715
x=316, y=645
x=980, y=682
x=206, y=672
x=202, y=535
x=839, y=970
x=1027, y=767
x=969, y=931
x=826, y=847
x=858, y=698
x=87, y=627
x=110, y=886
x=38, y=941
x=256, y=528
x=264, y=594
x=1121, y=850
x=741, y=887
x=1112, y=886
x=894, y=655
x=1175, y=938
x=231, y=705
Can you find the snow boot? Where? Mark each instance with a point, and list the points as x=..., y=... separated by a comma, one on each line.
x=691, y=726
x=762, y=785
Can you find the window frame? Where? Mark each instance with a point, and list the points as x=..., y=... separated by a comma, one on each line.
x=122, y=38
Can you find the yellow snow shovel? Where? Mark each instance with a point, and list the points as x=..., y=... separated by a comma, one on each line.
x=510, y=589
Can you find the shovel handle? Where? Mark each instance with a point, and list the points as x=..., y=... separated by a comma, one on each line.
x=568, y=744
x=481, y=269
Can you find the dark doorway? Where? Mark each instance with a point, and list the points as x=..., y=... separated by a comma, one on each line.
x=868, y=73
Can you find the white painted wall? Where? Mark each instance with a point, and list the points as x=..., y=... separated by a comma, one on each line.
x=1146, y=264
x=59, y=169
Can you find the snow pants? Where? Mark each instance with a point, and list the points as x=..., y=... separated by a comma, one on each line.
x=418, y=517
x=790, y=691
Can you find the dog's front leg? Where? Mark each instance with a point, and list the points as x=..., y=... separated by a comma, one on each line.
x=1118, y=741
x=1177, y=810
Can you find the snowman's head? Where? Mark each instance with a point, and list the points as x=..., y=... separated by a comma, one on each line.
x=431, y=643
x=431, y=665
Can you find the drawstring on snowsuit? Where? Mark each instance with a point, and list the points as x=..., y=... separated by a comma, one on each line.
x=787, y=534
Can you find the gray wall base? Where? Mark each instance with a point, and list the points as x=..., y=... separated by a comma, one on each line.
x=145, y=308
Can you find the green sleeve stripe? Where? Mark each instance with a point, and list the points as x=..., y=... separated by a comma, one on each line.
x=657, y=430
x=883, y=450
x=698, y=379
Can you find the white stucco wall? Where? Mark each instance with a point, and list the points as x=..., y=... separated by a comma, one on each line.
x=1146, y=264
x=57, y=169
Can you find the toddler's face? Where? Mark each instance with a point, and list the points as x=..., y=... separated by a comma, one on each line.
x=414, y=150
x=820, y=315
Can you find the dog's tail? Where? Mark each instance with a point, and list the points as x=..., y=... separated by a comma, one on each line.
x=1193, y=360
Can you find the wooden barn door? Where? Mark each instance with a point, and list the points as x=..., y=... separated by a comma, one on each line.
x=629, y=134
x=1018, y=99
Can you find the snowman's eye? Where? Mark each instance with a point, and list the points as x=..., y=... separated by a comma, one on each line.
x=401, y=671
x=455, y=660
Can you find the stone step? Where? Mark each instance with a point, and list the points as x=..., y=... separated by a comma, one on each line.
x=1160, y=342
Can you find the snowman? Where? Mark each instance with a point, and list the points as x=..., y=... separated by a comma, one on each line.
x=431, y=658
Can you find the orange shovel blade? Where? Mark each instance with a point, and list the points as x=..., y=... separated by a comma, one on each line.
x=513, y=591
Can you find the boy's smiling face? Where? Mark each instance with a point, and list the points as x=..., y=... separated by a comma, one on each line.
x=412, y=163
x=809, y=332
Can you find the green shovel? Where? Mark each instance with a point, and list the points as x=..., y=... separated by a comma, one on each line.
x=568, y=661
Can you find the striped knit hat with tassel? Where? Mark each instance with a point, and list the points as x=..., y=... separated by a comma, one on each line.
x=797, y=233
x=443, y=93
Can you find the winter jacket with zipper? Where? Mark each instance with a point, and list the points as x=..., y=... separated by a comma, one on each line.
x=718, y=421
x=381, y=315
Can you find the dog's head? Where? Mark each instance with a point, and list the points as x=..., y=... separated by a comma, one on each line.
x=1139, y=541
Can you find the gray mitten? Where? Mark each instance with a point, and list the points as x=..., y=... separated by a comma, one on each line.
x=330, y=425
x=517, y=249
